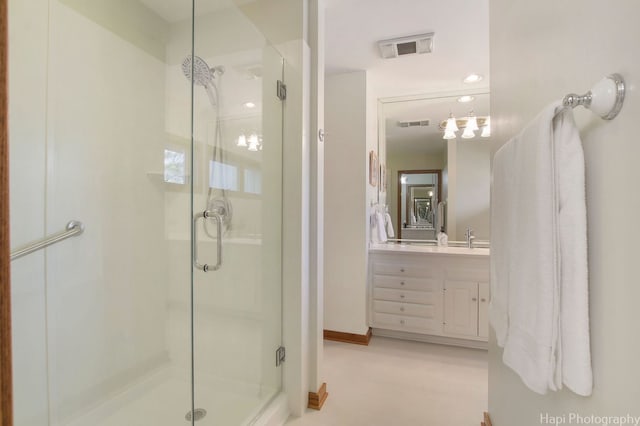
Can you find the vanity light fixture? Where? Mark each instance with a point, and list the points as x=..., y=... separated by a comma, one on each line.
x=472, y=78
x=252, y=143
x=470, y=124
x=466, y=98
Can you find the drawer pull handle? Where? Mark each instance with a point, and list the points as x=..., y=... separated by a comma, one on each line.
x=474, y=299
x=402, y=296
x=402, y=309
x=401, y=282
x=402, y=322
x=483, y=300
x=401, y=269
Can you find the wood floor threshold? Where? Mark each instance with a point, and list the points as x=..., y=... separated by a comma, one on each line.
x=357, y=339
x=317, y=399
x=487, y=420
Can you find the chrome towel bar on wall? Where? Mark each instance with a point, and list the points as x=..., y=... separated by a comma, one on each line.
x=73, y=228
x=605, y=98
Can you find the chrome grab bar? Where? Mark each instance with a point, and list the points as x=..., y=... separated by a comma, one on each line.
x=75, y=227
x=213, y=214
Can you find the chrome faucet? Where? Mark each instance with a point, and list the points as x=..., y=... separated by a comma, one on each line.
x=469, y=237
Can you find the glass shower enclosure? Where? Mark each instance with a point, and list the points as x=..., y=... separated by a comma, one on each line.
x=157, y=125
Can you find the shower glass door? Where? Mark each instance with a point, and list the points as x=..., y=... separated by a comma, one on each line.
x=237, y=211
x=136, y=117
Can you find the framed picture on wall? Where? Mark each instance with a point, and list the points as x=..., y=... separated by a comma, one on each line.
x=373, y=168
x=383, y=178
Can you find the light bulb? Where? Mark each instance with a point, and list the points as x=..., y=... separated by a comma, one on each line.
x=486, y=129
x=468, y=133
x=242, y=140
x=451, y=128
x=253, y=142
x=472, y=123
x=449, y=135
x=451, y=124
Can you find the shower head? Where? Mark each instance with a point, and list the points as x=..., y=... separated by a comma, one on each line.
x=203, y=75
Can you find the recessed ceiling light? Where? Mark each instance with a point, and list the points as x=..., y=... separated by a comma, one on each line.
x=249, y=105
x=472, y=78
x=466, y=98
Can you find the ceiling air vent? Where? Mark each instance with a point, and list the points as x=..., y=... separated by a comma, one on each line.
x=416, y=123
x=410, y=45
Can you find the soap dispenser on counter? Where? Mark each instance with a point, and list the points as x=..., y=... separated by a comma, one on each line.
x=443, y=239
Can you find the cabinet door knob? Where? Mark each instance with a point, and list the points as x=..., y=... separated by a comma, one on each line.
x=402, y=309
x=402, y=296
x=401, y=269
x=474, y=299
x=483, y=300
x=402, y=322
x=401, y=282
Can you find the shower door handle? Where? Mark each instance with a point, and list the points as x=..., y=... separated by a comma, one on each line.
x=213, y=214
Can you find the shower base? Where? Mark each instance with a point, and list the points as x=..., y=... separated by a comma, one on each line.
x=164, y=399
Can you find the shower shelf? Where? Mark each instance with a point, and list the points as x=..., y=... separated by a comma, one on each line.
x=159, y=177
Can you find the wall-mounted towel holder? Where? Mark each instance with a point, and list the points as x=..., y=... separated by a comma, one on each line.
x=605, y=98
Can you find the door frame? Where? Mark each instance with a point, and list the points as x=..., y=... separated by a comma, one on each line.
x=6, y=384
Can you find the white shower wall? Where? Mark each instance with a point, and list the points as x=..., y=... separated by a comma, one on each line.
x=105, y=130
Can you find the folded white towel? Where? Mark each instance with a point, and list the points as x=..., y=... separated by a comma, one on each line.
x=538, y=261
x=380, y=231
x=389, y=226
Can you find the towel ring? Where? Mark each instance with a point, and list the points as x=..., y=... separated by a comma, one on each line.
x=605, y=98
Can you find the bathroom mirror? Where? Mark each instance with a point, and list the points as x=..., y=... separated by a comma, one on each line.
x=420, y=192
x=411, y=133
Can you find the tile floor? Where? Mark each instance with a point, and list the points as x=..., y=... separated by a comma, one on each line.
x=401, y=383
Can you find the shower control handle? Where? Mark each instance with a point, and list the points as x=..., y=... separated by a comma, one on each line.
x=217, y=216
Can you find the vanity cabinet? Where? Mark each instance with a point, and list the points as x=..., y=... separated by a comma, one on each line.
x=418, y=295
x=466, y=309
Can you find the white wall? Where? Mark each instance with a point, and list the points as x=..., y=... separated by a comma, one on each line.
x=345, y=197
x=566, y=47
x=473, y=176
x=27, y=132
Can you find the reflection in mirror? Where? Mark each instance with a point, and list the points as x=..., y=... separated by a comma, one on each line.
x=412, y=131
x=419, y=196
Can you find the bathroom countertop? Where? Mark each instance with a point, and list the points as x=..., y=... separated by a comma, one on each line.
x=418, y=248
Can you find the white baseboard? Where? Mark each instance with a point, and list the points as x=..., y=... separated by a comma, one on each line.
x=474, y=344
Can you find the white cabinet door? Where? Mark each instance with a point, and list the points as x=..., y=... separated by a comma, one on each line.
x=461, y=308
x=483, y=309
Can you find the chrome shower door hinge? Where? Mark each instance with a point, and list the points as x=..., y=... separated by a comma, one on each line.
x=282, y=90
x=280, y=355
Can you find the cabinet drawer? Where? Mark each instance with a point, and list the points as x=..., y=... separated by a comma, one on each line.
x=400, y=322
x=412, y=309
x=409, y=296
x=405, y=270
x=390, y=281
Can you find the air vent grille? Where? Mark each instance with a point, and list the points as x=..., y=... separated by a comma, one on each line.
x=410, y=45
x=416, y=123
